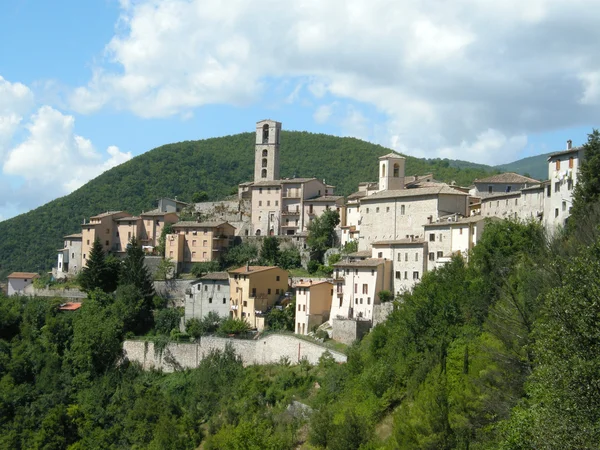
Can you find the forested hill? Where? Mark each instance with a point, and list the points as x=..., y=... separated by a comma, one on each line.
x=216, y=166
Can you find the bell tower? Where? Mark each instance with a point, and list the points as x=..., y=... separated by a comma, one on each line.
x=391, y=172
x=266, y=151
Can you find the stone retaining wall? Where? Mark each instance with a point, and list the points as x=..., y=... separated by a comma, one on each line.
x=267, y=350
x=173, y=290
x=70, y=294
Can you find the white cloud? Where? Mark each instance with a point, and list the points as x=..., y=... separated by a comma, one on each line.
x=323, y=113
x=16, y=99
x=442, y=73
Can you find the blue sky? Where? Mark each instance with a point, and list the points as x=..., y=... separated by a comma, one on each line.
x=88, y=85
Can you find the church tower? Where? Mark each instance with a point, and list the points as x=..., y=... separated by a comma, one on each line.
x=266, y=151
x=391, y=172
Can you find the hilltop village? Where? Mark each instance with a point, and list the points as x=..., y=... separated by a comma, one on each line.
x=402, y=227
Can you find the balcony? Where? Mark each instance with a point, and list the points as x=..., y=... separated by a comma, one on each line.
x=291, y=194
x=289, y=225
x=290, y=213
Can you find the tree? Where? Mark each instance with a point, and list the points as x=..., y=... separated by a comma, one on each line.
x=270, y=253
x=587, y=190
x=166, y=320
x=385, y=296
x=282, y=319
x=96, y=274
x=135, y=272
x=201, y=196
x=240, y=254
x=321, y=234
x=290, y=258
x=165, y=269
x=202, y=268
x=162, y=240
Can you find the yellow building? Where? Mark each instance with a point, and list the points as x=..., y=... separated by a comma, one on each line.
x=104, y=227
x=313, y=304
x=254, y=290
x=194, y=242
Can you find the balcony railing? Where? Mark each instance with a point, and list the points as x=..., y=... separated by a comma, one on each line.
x=290, y=213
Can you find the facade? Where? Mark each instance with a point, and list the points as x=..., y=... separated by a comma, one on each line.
x=153, y=223
x=409, y=260
x=18, y=281
x=69, y=257
x=313, y=304
x=400, y=214
x=208, y=294
x=169, y=205
x=254, y=290
x=501, y=184
x=104, y=227
x=194, y=242
x=266, y=151
x=503, y=206
x=357, y=287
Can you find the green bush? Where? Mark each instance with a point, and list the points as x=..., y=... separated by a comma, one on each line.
x=166, y=320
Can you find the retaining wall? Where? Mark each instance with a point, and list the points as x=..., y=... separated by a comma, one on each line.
x=267, y=350
x=381, y=312
x=173, y=290
x=349, y=330
x=71, y=294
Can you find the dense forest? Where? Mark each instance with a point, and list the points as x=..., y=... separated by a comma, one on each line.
x=213, y=166
x=499, y=353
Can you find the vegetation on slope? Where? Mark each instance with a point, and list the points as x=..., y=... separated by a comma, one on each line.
x=215, y=166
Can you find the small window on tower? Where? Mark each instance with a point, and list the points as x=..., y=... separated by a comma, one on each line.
x=264, y=173
x=265, y=134
x=264, y=162
x=396, y=170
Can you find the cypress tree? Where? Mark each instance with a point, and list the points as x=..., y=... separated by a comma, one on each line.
x=95, y=275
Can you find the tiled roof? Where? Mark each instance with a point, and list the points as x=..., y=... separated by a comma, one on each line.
x=501, y=195
x=461, y=221
x=310, y=283
x=155, y=213
x=565, y=152
x=106, y=214
x=534, y=187
x=400, y=242
x=74, y=236
x=360, y=254
x=357, y=195
x=175, y=200
x=252, y=269
x=215, y=276
x=23, y=275
x=70, y=306
x=325, y=198
x=508, y=177
x=392, y=155
x=369, y=262
x=125, y=219
x=297, y=180
x=416, y=192
x=267, y=183
x=192, y=224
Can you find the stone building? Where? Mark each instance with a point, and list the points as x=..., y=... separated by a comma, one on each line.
x=210, y=293
x=501, y=184
x=69, y=257
x=313, y=304
x=408, y=258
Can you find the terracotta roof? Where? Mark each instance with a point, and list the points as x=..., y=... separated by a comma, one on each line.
x=70, y=306
x=369, y=262
x=156, y=213
x=23, y=275
x=501, y=195
x=106, y=214
x=392, y=155
x=360, y=254
x=192, y=224
x=215, y=276
x=74, y=236
x=416, y=192
x=419, y=241
x=310, y=283
x=252, y=269
x=267, y=183
x=508, y=177
x=359, y=194
x=325, y=198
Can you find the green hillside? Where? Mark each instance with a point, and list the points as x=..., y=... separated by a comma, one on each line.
x=534, y=166
x=29, y=241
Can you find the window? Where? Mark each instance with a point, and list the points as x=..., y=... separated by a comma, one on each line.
x=490, y=189
x=355, y=288
x=398, y=276
x=368, y=300
x=415, y=275
x=260, y=190
x=268, y=202
x=361, y=301
x=557, y=186
x=171, y=254
x=356, y=301
x=224, y=300
x=85, y=258
x=431, y=256
x=383, y=170
x=245, y=303
x=406, y=257
x=260, y=203
x=277, y=291
x=210, y=300
x=107, y=243
x=431, y=237
x=372, y=272
x=399, y=257
x=367, y=210
x=193, y=254
x=396, y=170
x=265, y=153
x=557, y=165
x=204, y=243
x=204, y=255
x=218, y=287
x=416, y=256
x=440, y=254
x=387, y=209
x=556, y=212
x=564, y=205
x=264, y=162
x=277, y=278
x=276, y=202
x=355, y=271
x=88, y=242
x=508, y=188
x=460, y=231
x=263, y=173
x=269, y=291
x=405, y=275
x=193, y=243
x=380, y=254
x=548, y=191
x=299, y=307
x=365, y=289
x=402, y=210
x=571, y=161
x=377, y=209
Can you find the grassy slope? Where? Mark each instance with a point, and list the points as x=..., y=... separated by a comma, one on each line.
x=29, y=241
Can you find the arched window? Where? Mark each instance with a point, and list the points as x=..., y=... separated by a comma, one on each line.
x=264, y=173
x=265, y=133
x=264, y=162
x=382, y=170
x=396, y=170
x=271, y=232
x=265, y=153
x=258, y=232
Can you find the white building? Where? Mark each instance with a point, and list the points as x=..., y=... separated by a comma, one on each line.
x=358, y=284
x=69, y=257
x=18, y=281
x=208, y=294
x=501, y=184
x=408, y=257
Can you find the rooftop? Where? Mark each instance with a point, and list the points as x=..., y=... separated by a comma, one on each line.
x=501, y=195
x=74, y=236
x=461, y=221
x=70, y=306
x=507, y=177
x=215, y=276
x=125, y=219
x=106, y=214
x=416, y=192
x=311, y=283
x=156, y=213
x=192, y=224
x=392, y=155
x=565, y=152
x=369, y=262
x=252, y=269
x=408, y=241
x=325, y=198
x=24, y=275
x=297, y=180
x=360, y=254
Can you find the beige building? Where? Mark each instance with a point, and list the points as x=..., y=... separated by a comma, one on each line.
x=104, y=227
x=357, y=286
x=194, y=242
x=254, y=290
x=153, y=223
x=313, y=304
x=69, y=257
x=409, y=259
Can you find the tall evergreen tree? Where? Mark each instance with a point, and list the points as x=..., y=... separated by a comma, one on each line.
x=587, y=190
x=135, y=272
x=270, y=253
x=96, y=273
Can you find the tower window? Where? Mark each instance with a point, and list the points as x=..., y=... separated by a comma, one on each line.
x=265, y=153
x=396, y=170
x=264, y=173
x=265, y=133
x=264, y=162
x=383, y=170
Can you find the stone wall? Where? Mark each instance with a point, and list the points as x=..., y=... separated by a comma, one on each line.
x=69, y=294
x=381, y=312
x=173, y=290
x=267, y=350
x=347, y=331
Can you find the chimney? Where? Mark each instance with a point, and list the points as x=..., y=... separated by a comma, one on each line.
x=569, y=144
